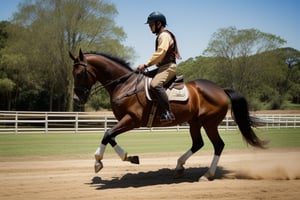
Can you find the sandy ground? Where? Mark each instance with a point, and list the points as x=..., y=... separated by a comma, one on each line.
x=268, y=174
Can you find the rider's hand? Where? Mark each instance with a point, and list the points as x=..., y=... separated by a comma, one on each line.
x=141, y=67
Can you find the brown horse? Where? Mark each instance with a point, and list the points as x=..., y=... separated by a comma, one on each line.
x=206, y=107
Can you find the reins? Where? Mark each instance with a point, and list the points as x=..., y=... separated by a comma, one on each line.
x=134, y=91
x=98, y=88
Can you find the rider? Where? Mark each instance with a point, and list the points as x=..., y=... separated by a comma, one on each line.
x=164, y=57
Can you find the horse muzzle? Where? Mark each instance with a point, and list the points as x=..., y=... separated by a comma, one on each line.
x=77, y=100
x=80, y=96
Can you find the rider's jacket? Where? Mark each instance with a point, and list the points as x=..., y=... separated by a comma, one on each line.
x=166, y=50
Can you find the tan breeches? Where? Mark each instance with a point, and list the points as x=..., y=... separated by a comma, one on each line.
x=165, y=74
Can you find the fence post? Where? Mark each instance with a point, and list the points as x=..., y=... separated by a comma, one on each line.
x=105, y=124
x=46, y=122
x=227, y=122
x=76, y=122
x=16, y=123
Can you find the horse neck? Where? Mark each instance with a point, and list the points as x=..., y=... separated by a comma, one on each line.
x=108, y=73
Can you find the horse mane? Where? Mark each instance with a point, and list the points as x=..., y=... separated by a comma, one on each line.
x=121, y=61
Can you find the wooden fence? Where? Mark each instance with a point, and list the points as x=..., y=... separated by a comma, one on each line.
x=76, y=122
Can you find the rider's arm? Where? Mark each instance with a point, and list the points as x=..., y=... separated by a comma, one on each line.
x=164, y=41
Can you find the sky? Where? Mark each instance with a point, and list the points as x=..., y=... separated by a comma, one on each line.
x=194, y=21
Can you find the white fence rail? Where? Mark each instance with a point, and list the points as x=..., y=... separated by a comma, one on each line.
x=45, y=122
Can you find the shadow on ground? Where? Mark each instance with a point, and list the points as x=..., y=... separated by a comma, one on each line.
x=160, y=177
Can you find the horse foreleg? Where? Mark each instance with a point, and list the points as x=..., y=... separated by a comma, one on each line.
x=123, y=155
x=98, y=157
x=125, y=124
x=100, y=152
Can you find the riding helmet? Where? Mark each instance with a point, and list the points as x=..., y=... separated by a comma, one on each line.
x=156, y=16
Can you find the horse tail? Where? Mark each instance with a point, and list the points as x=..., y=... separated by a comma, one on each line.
x=240, y=113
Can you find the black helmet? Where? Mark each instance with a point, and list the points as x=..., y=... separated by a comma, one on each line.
x=157, y=16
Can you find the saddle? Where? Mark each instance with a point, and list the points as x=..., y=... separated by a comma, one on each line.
x=175, y=89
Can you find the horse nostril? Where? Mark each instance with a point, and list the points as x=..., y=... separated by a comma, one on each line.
x=76, y=98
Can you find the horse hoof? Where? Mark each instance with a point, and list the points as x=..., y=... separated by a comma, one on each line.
x=98, y=157
x=179, y=173
x=203, y=179
x=206, y=177
x=98, y=166
x=133, y=159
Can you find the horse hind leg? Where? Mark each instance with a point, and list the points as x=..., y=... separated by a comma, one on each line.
x=214, y=137
x=197, y=144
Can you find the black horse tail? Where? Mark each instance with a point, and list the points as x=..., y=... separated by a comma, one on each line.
x=240, y=113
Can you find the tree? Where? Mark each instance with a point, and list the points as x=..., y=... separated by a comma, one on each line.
x=6, y=84
x=40, y=36
x=3, y=34
x=194, y=68
x=291, y=81
x=100, y=101
x=235, y=63
x=7, y=87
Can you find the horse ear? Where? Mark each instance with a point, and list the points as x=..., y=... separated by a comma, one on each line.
x=81, y=56
x=71, y=56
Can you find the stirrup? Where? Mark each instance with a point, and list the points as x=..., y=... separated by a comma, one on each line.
x=167, y=116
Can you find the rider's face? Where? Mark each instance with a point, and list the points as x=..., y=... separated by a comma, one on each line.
x=152, y=27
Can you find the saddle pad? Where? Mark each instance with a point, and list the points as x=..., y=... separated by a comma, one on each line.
x=178, y=95
x=173, y=94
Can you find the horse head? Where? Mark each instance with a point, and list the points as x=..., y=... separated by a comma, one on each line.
x=84, y=78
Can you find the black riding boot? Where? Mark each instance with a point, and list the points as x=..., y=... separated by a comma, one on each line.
x=160, y=96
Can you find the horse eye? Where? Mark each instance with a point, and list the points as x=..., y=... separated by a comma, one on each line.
x=81, y=74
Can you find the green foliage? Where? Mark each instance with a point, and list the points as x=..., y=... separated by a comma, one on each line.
x=251, y=62
x=193, y=68
x=291, y=106
x=234, y=52
x=37, y=41
x=36, y=72
x=6, y=85
x=295, y=92
x=3, y=34
x=99, y=101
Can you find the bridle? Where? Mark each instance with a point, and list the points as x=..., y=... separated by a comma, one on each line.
x=85, y=65
x=85, y=91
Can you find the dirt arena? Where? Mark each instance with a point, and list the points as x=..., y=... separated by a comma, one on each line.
x=268, y=174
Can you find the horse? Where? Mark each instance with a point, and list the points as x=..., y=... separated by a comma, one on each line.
x=206, y=107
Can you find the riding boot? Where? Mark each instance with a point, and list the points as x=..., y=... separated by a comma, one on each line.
x=160, y=96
